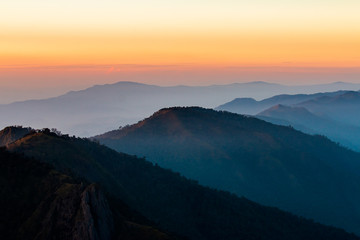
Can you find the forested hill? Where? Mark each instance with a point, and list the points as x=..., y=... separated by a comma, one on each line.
x=174, y=203
x=273, y=165
x=40, y=203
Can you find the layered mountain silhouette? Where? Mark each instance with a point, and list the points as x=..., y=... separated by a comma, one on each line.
x=343, y=108
x=38, y=202
x=302, y=119
x=251, y=106
x=274, y=165
x=99, y=108
x=172, y=202
x=335, y=114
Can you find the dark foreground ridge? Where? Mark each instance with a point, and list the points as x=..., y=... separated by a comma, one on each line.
x=174, y=203
x=38, y=202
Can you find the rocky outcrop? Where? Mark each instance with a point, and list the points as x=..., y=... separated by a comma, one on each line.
x=74, y=211
x=11, y=134
x=97, y=223
x=40, y=203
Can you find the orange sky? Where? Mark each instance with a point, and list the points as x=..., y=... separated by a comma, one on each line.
x=65, y=44
x=209, y=48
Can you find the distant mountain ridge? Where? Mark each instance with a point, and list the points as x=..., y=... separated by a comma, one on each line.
x=343, y=108
x=102, y=107
x=293, y=114
x=252, y=107
x=305, y=121
x=273, y=165
x=335, y=114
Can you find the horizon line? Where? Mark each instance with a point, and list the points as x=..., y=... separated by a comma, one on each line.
x=173, y=86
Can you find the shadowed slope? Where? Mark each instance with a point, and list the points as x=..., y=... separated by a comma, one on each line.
x=274, y=165
x=175, y=203
x=40, y=203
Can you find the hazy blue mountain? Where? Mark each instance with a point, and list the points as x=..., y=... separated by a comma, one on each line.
x=251, y=106
x=333, y=114
x=171, y=201
x=291, y=114
x=302, y=119
x=104, y=107
x=273, y=165
x=344, y=108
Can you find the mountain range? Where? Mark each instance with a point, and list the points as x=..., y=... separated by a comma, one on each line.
x=184, y=172
x=47, y=183
x=102, y=107
x=270, y=164
x=343, y=108
x=333, y=114
x=302, y=119
x=251, y=106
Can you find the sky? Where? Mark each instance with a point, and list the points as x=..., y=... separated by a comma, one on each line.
x=48, y=47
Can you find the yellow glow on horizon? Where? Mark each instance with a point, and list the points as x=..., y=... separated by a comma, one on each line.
x=255, y=48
